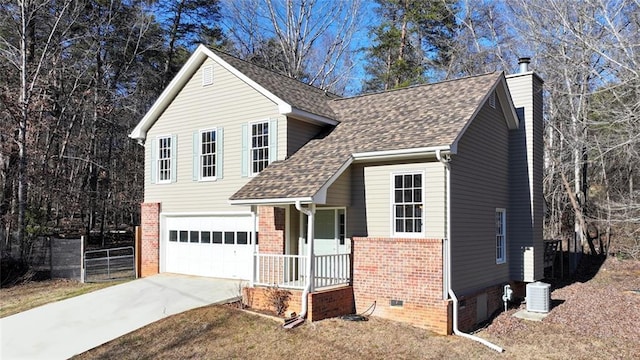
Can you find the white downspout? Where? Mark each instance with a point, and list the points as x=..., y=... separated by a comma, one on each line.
x=447, y=170
x=309, y=273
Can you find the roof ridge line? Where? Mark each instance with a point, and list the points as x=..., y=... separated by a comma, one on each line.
x=273, y=71
x=415, y=86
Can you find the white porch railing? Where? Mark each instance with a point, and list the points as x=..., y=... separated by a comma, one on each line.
x=288, y=271
x=331, y=270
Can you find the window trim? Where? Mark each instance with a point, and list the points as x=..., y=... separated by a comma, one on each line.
x=392, y=204
x=171, y=159
x=503, y=242
x=215, y=155
x=251, y=148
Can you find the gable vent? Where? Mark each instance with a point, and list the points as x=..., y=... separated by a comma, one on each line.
x=492, y=100
x=207, y=75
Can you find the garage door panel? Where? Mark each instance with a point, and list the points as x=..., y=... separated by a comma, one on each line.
x=209, y=246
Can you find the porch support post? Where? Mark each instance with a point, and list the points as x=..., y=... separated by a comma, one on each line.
x=310, y=235
x=310, y=212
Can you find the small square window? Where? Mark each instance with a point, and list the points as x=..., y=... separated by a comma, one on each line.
x=242, y=238
x=194, y=236
x=173, y=235
x=217, y=237
x=229, y=238
x=205, y=237
x=184, y=236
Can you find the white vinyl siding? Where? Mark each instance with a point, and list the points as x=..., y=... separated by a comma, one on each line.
x=226, y=105
x=501, y=236
x=371, y=189
x=408, y=204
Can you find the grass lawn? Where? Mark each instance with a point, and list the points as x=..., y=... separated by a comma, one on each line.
x=596, y=318
x=593, y=317
x=23, y=297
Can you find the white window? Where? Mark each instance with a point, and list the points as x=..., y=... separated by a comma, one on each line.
x=163, y=159
x=259, y=151
x=408, y=203
x=501, y=236
x=207, y=154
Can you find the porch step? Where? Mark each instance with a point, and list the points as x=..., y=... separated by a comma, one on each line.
x=293, y=322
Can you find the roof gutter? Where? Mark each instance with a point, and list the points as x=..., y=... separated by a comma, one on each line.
x=274, y=201
x=444, y=159
x=305, y=115
x=403, y=153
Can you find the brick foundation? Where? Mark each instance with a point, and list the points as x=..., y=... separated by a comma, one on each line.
x=150, y=239
x=406, y=270
x=468, y=317
x=322, y=304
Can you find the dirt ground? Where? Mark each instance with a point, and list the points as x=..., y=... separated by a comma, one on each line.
x=593, y=317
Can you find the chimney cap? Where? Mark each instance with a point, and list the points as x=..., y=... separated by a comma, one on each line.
x=524, y=64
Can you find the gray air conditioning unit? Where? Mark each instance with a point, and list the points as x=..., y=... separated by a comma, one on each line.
x=538, y=297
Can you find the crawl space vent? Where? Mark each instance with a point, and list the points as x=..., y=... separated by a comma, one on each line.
x=538, y=297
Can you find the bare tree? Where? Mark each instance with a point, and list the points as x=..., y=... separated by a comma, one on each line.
x=308, y=40
x=587, y=53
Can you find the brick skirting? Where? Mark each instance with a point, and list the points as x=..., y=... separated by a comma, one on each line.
x=322, y=304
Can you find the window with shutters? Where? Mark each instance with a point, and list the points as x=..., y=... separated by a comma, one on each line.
x=207, y=155
x=164, y=159
x=259, y=150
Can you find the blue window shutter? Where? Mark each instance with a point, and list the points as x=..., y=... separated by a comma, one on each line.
x=245, y=151
x=174, y=157
x=196, y=155
x=273, y=140
x=219, y=152
x=154, y=161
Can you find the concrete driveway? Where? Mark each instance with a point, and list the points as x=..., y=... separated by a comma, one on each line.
x=62, y=329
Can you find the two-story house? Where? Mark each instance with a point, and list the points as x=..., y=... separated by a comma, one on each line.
x=410, y=199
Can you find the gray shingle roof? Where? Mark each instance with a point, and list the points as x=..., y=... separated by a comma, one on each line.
x=295, y=93
x=421, y=116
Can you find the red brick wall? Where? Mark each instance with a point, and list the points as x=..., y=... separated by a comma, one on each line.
x=271, y=229
x=150, y=239
x=322, y=304
x=468, y=309
x=409, y=270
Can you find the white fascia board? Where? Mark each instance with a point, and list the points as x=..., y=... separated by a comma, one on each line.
x=275, y=201
x=190, y=67
x=402, y=153
x=321, y=196
x=500, y=87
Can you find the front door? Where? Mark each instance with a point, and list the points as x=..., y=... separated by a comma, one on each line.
x=329, y=232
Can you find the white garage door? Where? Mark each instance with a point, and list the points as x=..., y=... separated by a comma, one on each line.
x=215, y=246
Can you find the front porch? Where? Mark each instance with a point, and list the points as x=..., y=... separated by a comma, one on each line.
x=289, y=271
